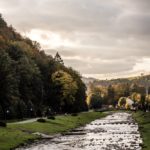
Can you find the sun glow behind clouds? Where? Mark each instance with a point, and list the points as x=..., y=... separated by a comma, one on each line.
x=54, y=40
x=143, y=65
x=108, y=38
x=48, y=39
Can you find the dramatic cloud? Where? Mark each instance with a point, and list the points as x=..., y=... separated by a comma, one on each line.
x=95, y=37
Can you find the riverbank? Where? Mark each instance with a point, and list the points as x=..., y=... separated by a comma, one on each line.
x=117, y=131
x=18, y=134
x=143, y=119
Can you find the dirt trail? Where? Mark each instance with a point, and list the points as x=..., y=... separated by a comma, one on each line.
x=114, y=132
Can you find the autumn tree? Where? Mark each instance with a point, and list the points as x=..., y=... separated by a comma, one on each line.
x=95, y=99
x=111, y=96
x=64, y=89
x=32, y=81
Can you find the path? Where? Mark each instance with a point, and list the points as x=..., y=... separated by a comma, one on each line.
x=25, y=121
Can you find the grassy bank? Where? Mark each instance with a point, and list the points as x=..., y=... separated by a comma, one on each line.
x=16, y=134
x=144, y=125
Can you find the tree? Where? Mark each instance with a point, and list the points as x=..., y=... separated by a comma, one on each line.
x=96, y=99
x=2, y=22
x=30, y=84
x=80, y=97
x=31, y=81
x=64, y=90
x=122, y=102
x=58, y=59
x=111, y=96
x=126, y=90
x=134, y=87
x=8, y=83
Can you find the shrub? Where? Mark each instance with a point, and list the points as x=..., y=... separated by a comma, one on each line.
x=3, y=124
x=41, y=120
x=74, y=114
x=51, y=117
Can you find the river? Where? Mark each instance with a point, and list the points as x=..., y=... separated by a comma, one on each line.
x=117, y=131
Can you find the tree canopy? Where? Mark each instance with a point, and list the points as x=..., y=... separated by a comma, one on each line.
x=32, y=81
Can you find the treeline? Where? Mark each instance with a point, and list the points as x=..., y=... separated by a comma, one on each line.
x=33, y=83
x=122, y=93
x=99, y=96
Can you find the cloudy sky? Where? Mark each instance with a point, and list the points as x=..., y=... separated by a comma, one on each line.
x=99, y=38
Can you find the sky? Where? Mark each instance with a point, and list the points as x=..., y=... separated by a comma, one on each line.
x=98, y=38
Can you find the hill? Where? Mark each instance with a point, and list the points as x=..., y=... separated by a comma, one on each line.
x=140, y=80
x=33, y=83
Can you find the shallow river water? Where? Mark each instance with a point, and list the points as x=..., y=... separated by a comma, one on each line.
x=114, y=132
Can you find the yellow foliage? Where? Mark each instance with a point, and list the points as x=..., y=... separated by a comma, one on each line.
x=122, y=101
x=148, y=98
x=136, y=97
x=88, y=98
x=127, y=106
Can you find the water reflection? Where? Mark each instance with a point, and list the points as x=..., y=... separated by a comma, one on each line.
x=114, y=132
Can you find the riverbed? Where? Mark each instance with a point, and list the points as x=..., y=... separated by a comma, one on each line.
x=117, y=131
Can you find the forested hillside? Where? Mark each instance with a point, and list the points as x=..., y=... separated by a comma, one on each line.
x=33, y=83
x=117, y=92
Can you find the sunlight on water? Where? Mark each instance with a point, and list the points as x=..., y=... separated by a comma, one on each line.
x=114, y=132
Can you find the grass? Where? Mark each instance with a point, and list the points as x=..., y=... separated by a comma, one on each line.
x=16, y=134
x=10, y=138
x=143, y=120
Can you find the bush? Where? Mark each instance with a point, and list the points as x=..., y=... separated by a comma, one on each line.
x=3, y=124
x=101, y=110
x=51, y=117
x=74, y=114
x=41, y=120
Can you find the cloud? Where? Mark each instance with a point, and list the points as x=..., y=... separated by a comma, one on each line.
x=93, y=36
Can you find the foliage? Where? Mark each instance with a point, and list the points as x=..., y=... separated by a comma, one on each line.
x=143, y=119
x=113, y=91
x=29, y=81
x=111, y=95
x=3, y=124
x=95, y=99
x=41, y=120
x=58, y=58
x=14, y=134
x=80, y=103
x=122, y=102
x=51, y=117
x=74, y=114
x=65, y=88
x=127, y=106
